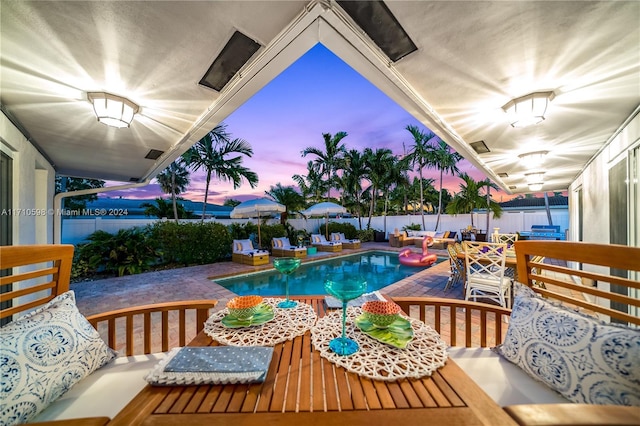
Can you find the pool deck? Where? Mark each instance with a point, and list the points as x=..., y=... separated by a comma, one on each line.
x=195, y=282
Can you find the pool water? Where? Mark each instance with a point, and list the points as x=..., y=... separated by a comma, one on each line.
x=380, y=269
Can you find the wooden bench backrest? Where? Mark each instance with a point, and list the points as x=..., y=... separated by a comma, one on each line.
x=578, y=274
x=51, y=261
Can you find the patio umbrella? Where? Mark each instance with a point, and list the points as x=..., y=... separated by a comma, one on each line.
x=324, y=209
x=256, y=208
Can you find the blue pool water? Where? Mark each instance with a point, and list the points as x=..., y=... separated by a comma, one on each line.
x=380, y=269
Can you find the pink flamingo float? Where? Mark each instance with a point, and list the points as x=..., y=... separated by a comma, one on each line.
x=410, y=258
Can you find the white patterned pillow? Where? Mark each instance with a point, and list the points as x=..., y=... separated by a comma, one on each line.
x=43, y=354
x=582, y=358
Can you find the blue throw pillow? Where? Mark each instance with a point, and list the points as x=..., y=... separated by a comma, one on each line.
x=43, y=354
x=584, y=359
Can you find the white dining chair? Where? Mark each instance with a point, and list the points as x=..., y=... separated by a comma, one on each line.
x=485, y=272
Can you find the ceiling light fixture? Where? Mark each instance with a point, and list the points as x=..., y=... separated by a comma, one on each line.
x=112, y=110
x=534, y=177
x=535, y=186
x=532, y=160
x=528, y=109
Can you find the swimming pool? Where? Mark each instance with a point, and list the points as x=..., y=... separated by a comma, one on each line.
x=380, y=268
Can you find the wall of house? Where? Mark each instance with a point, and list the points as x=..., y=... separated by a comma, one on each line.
x=33, y=187
x=594, y=185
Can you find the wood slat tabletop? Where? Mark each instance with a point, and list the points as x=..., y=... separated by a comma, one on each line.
x=303, y=388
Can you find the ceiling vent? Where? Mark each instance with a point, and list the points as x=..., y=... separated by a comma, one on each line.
x=512, y=187
x=153, y=154
x=503, y=175
x=134, y=179
x=480, y=147
x=233, y=56
x=377, y=21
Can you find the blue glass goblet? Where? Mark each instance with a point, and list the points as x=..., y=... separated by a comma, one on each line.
x=286, y=266
x=345, y=288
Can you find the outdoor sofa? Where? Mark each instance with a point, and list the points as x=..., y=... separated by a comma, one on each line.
x=477, y=327
x=339, y=237
x=242, y=251
x=320, y=242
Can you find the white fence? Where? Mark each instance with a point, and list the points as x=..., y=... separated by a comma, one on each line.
x=75, y=231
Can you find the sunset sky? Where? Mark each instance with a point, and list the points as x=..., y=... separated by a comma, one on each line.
x=317, y=94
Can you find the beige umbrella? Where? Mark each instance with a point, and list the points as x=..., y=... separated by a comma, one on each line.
x=256, y=208
x=324, y=209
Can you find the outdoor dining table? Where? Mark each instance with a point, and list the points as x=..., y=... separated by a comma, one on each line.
x=301, y=387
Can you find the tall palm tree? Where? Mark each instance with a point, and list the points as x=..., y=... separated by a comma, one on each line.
x=312, y=185
x=291, y=199
x=445, y=160
x=355, y=170
x=378, y=162
x=419, y=155
x=162, y=209
x=329, y=159
x=174, y=180
x=215, y=153
x=471, y=197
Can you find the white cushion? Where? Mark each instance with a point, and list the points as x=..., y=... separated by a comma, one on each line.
x=43, y=354
x=105, y=392
x=503, y=381
x=586, y=360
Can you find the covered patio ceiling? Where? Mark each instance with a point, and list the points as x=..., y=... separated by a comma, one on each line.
x=471, y=59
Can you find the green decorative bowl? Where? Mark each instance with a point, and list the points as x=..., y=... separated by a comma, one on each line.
x=244, y=307
x=381, y=314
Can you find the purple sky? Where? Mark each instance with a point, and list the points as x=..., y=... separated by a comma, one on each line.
x=317, y=94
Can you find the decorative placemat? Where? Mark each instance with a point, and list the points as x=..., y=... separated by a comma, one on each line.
x=287, y=324
x=376, y=360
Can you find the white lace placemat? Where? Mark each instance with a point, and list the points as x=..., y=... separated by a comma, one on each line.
x=376, y=360
x=286, y=324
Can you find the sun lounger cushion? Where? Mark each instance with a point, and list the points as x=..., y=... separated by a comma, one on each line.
x=282, y=242
x=584, y=359
x=43, y=354
x=240, y=246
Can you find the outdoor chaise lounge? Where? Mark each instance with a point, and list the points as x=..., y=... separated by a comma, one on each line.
x=281, y=247
x=321, y=243
x=243, y=252
x=339, y=237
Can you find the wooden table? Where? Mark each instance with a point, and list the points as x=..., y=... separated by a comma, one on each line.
x=302, y=388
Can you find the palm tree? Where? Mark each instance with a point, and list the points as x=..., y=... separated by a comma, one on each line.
x=378, y=163
x=312, y=185
x=212, y=152
x=442, y=158
x=470, y=198
x=329, y=159
x=287, y=196
x=174, y=180
x=354, y=168
x=162, y=209
x=419, y=155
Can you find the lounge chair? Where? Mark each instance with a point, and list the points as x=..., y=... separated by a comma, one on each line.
x=321, y=243
x=348, y=244
x=281, y=247
x=243, y=252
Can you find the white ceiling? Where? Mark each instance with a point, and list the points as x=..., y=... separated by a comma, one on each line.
x=472, y=58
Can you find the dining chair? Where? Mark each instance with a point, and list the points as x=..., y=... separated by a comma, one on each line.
x=456, y=267
x=508, y=239
x=485, y=272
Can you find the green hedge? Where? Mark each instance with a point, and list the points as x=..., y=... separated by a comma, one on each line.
x=350, y=232
x=191, y=243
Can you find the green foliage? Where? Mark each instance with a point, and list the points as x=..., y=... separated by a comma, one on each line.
x=191, y=243
x=350, y=232
x=412, y=227
x=365, y=235
x=127, y=252
x=268, y=232
x=240, y=231
x=79, y=202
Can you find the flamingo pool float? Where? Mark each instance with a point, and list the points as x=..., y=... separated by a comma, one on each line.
x=410, y=258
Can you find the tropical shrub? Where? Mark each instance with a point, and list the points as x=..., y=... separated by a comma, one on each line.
x=126, y=252
x=412, y=227
x=350, y=232
x=267, y=232
x=365, y=235
x=191, y=243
